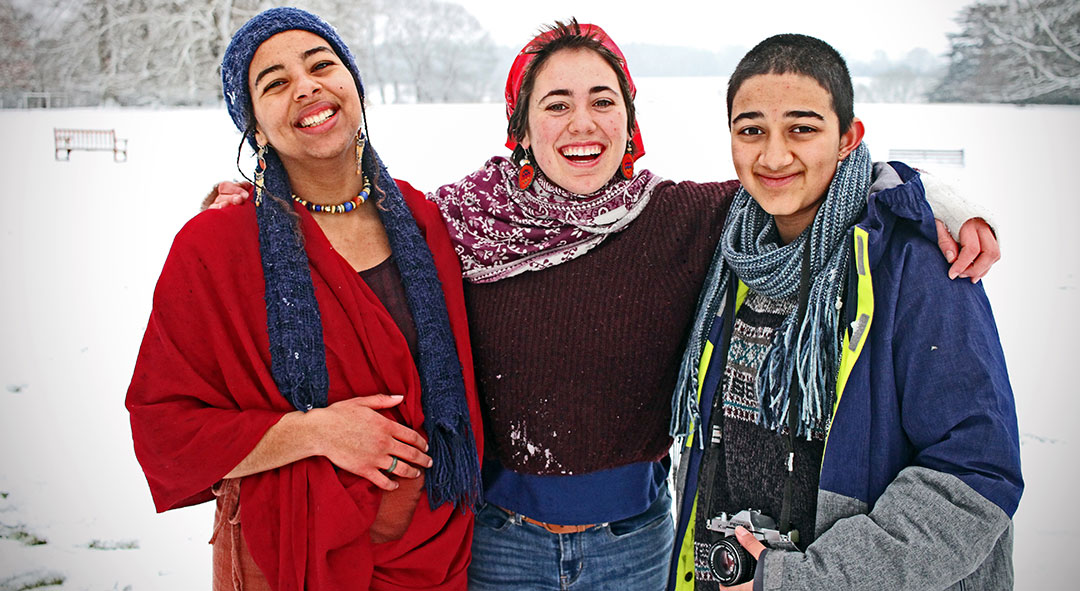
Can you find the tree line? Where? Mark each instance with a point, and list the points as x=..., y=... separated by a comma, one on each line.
x=168, y=52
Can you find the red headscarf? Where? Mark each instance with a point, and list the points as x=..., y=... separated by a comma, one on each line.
x=526, y=56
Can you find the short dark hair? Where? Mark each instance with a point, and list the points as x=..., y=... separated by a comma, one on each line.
x=565, y=36
x=791, y=53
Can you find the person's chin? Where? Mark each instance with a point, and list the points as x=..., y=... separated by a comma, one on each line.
x=586, y=186
x=590, y=181
x=775, y=203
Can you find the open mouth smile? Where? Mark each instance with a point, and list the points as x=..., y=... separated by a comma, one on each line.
x=582, y=154
x=316, y=119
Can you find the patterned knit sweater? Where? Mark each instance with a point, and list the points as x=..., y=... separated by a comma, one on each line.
x=743, y=462
x=576, y=363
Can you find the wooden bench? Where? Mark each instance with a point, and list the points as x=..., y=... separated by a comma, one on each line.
x=91, y=140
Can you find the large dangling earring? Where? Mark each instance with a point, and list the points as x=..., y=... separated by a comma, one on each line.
x=260, y=168
x=360, y=141
x=526, y=173
x=627, y=166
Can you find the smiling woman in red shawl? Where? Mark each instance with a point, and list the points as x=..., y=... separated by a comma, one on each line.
x=307, y=359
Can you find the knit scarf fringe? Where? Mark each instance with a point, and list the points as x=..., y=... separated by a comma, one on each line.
x=748, y=250
x=298, y=357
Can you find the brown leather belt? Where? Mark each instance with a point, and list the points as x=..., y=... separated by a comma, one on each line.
x=553, y=528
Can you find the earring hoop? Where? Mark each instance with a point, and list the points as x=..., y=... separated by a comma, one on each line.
x=260, y=169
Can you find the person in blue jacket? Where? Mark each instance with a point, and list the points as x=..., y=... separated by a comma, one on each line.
x=837, y=386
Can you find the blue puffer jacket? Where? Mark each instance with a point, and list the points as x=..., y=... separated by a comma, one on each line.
x=921, y=472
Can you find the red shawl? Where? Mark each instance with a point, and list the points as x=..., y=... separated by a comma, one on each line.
x=202, y=396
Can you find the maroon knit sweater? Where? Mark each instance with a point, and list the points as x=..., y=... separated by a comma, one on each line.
x=576, y=363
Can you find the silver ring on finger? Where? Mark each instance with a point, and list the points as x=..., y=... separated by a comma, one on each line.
x=393, y=464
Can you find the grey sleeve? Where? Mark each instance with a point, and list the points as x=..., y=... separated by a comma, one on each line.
x=927, y=531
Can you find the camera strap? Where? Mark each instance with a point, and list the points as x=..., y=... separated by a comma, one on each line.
x=794, y=396
x=716, y=470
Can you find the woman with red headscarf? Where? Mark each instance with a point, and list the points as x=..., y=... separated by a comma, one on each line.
x=576, y=364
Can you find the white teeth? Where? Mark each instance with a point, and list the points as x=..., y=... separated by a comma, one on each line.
x=581, y=150
x=316, y=119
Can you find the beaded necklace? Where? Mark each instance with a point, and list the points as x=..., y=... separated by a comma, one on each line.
x=346, y=207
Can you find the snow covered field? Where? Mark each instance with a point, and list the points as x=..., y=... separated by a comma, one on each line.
x=82, y=243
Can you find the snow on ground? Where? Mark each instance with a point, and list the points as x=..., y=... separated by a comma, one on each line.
x=82, y=243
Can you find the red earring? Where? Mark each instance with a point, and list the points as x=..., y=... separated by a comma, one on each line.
x=627, y=166
x=526, y=173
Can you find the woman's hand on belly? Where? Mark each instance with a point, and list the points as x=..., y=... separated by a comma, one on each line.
x=355, y=437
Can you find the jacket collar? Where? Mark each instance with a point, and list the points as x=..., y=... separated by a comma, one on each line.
x=897, y=194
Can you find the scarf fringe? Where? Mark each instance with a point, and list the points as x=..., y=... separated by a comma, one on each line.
x=455, y=474
x=813, y=369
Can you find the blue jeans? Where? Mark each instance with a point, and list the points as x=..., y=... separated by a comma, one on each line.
x=628, y=555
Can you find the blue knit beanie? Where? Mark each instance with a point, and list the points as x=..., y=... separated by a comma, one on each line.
x=248, y=38
x=293, y=322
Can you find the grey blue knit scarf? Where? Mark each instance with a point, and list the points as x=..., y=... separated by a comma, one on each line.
x=749, y=250
x=294, y=326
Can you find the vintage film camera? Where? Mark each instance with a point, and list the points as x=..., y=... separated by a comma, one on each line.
x=729, y=562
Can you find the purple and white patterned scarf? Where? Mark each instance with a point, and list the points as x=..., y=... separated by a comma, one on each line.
x=500, y=231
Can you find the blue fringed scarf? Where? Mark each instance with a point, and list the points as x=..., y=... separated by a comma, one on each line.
x=749, y=250
x=294, y=326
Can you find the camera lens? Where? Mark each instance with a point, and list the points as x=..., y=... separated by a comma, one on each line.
x=730, y=563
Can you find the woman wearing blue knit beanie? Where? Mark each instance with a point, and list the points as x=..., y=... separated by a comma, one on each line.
x=316, y=379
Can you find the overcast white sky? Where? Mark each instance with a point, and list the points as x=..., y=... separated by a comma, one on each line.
x=856, y=28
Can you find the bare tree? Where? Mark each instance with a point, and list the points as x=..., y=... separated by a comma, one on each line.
x=437, y=50
x=133, y=52
x=1015, y=51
